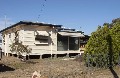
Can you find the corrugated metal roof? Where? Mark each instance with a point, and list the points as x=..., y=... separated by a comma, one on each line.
x=30, y=23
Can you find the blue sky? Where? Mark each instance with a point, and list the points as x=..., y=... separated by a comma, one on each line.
x=83, y=15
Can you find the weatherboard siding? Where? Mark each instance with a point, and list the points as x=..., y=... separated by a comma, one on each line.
x=29, y=39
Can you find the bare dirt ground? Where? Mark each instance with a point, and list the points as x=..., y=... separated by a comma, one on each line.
x=12, y=67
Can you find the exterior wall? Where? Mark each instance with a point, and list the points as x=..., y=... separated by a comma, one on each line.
x=3, y=46
x=29, y=39
x=0, y=43
x=8, y=37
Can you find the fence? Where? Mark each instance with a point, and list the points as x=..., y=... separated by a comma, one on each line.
x=100, y=60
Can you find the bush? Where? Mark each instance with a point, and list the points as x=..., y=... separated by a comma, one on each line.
x=103, y=47
x=19, y=49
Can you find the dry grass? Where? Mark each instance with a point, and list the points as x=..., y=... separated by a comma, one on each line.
x=51, y=68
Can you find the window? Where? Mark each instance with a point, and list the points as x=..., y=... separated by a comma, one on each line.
x=9, y=35
x=39, y=39
x=16, y=36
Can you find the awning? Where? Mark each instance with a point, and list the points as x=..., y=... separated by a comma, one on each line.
x=43, y=33
x=71, y=34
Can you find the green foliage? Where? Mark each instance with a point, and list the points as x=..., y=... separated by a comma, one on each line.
x=115, y=35
x=103, y=47
x=19, y=48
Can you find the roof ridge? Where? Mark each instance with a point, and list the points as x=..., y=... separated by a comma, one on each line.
x=29, y=23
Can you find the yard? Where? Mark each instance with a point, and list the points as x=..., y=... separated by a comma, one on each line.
x=12, y=67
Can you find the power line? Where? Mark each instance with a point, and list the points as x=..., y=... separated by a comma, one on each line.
x=42, y=9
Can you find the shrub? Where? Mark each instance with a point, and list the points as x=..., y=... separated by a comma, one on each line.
x=103, y=47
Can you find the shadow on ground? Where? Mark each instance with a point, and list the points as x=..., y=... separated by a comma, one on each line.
x=113, y=72
x=4, y=68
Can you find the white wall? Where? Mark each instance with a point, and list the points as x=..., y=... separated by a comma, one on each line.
x=29, y=39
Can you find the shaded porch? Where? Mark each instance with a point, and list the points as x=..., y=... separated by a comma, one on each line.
x=69, y=42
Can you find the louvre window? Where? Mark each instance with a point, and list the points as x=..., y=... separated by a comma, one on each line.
x=39, y=39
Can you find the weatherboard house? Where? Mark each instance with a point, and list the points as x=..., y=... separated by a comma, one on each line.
x=42, y=38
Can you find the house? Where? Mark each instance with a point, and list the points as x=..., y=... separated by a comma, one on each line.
x=0, y=49
x=0, y=43
x=83, y=42
x=42, y=38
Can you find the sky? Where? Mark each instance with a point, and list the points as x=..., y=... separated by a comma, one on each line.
x=83, y=15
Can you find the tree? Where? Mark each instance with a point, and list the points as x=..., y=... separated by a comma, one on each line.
x=115, y=35
x=97, y=47
x=18, y=47
x=103, y=47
